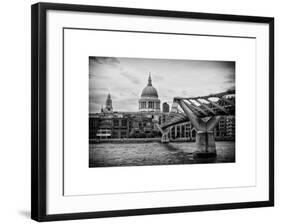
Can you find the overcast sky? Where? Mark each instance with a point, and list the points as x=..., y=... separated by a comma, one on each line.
x=124, y=79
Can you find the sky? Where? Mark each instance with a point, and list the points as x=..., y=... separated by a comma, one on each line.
x=124, y=79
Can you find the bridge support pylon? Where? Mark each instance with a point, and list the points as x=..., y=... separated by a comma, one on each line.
x=205, y=144
x=205, y=138
x=165, y=138
x=165, y=134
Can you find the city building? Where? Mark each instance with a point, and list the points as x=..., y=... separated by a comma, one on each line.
x=110, y=124
x=225, y=129
x=165, y=107
x=124, y=125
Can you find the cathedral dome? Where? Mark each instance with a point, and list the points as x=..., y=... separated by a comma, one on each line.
x=149, y=101
x=149, y=91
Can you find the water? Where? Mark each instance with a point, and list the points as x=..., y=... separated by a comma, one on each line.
x=154, y=153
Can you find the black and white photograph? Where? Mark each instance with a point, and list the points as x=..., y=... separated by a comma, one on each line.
x=146, y=112
x=139, y=111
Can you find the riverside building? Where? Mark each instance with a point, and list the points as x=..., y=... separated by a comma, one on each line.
x=110, y=124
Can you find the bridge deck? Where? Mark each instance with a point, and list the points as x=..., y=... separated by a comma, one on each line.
x=201, y=106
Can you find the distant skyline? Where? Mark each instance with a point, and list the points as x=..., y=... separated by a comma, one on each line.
x=125, y=78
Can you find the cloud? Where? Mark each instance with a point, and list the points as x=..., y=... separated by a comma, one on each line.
x=230, y=73
x=130, y=76
x=101, y=89
x=184, y=92
x=98, y=97
x=96, y=77
x=104, y=60
x=97, y=64
x=94, y=107
x=158, y=78
x=124, y=79
x=126, y=104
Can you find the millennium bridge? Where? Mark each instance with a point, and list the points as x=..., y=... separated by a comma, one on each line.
x=204, y=112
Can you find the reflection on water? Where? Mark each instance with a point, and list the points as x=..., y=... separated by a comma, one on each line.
x=154, y=153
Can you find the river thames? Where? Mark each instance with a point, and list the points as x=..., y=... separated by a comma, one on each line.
x=154, y=153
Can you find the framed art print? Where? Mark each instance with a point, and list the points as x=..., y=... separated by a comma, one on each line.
x=139, y=111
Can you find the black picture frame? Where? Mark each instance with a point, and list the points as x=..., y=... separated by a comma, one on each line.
x=39, y=107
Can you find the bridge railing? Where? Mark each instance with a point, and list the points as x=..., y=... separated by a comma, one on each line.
x=202, y=106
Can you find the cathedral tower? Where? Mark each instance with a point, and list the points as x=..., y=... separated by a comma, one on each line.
x=108, y=105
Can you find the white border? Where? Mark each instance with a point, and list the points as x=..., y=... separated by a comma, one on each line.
x=79, y=44
x=57, y=203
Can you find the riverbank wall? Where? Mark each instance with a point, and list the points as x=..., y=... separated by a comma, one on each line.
x=125, y=140
x=143, y=140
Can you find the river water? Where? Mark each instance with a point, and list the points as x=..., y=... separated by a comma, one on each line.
x=154, y=153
